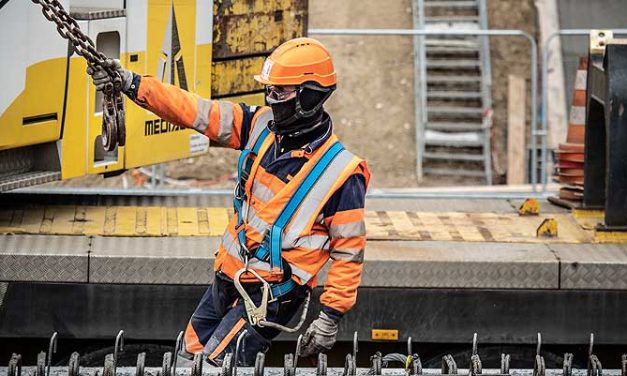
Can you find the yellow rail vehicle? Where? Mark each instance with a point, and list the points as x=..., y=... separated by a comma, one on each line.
x=50, y=114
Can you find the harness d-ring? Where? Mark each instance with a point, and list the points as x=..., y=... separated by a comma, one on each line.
x=255, y=313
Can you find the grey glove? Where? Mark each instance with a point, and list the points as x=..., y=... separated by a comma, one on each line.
x=320, y=336
x=100, y=77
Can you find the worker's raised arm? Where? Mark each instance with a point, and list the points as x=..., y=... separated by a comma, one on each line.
x=223, y=122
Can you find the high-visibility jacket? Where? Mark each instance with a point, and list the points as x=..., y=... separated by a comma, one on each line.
x=329, y=222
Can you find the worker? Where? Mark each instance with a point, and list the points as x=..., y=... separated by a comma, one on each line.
x=291, y=162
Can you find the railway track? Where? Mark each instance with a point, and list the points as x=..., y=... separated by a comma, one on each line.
x=408, y=364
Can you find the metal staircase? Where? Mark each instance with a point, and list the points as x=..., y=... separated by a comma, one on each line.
x=453, y=91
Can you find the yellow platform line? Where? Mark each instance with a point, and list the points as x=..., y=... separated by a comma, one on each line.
x=381, y=225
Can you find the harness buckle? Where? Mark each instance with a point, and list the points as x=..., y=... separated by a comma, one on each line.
x=239, y=227
x=238, y=193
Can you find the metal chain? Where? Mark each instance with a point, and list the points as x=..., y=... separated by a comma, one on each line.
x=69, y=29
x=113, y=128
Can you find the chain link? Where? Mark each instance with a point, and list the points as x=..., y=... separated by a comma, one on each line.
x=69, y=29
x=113, y=118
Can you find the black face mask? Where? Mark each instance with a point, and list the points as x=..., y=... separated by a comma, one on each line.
x=301, y=114
x=283, y=111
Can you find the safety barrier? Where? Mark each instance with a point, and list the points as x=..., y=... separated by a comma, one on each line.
x=407, y=364
x=533, y=46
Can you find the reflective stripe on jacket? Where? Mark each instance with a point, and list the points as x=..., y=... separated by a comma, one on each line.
x=330, y=221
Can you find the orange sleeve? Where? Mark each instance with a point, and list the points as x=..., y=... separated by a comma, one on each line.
x=347, y=231
x=221, y=121
x=344, y=216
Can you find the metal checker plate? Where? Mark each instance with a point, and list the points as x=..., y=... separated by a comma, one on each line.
x=592, y=266
x=27, y=179
x=43, y=258
x=460, y=265
x=152, y=260
x=413, y=264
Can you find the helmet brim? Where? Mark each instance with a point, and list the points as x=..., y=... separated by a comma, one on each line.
x=260, y=79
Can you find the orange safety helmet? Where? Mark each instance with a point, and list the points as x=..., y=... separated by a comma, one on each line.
x=298, y=61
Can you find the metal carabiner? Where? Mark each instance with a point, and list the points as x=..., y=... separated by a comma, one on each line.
x=255, y=313
x=237, y=191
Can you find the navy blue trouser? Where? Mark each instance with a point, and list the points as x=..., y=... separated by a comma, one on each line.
x=220, y=318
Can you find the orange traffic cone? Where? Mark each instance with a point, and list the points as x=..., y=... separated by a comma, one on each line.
x=577, y=118
x=571, y=154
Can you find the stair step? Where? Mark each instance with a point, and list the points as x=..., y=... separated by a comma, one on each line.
x=439, y=94
x=461, y=139
x=453, y=156
x=455, y=110
x=452, y=19
x=432, y=78
x=454, y=126
x=453, y=171
x=451, y=3
x=441, y=63
x=451, y=40
x=452, y=52
x=26, y=179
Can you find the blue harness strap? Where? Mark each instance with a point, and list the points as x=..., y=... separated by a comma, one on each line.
x=272, y=243
x=244, y=165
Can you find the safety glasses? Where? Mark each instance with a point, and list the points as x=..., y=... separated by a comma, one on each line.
x=280, y=93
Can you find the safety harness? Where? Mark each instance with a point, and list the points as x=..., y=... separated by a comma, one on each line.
x=271, y=246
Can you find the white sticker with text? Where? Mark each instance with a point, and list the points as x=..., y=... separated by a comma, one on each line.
x=198, y=144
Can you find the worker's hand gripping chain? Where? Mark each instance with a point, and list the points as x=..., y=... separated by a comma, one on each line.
x=113, y=127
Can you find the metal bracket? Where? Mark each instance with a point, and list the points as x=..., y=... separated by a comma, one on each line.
x=52, y=349
x=141, y=364
x=548, y=228
x=375, y=364
x=197, y=365
x=73, y=368
x=529, y=207
x=539, y=367
x=605, y=164
x=567, y=366
x=321, y=369
x=177, y=348
x=288, y=365
x=166, y=365
x=41, y=364
x=260, y=362
x=598, y=41
x=449, y=367
x=475, y=367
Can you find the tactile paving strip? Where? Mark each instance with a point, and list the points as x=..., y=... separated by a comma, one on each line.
x=381, y=225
